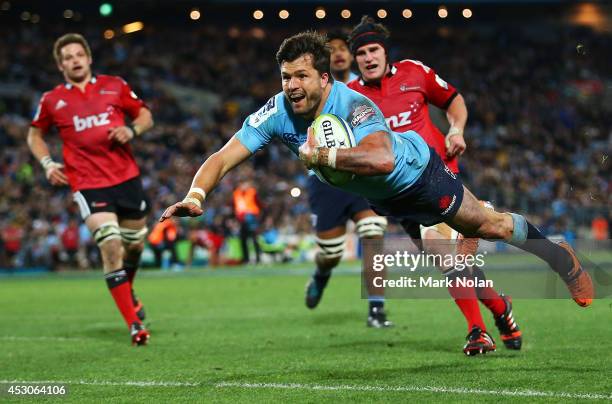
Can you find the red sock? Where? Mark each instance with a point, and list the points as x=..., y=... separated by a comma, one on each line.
x=120, y=288
x=489, y=296
x=466, y=300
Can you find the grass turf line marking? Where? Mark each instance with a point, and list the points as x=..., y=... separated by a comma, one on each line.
x=297, y=386
x=423, y=389
x=105, y=383
x=42, y=338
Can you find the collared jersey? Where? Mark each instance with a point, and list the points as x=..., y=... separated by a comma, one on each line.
x=84, y=119
x=403, y=97
x=276, y=119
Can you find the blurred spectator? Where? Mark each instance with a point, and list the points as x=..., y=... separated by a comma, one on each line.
x=12, y=236
x=247, y=209
x=163, y=238
x=70, y=243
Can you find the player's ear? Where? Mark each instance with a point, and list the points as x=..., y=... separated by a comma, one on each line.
x=324, y=79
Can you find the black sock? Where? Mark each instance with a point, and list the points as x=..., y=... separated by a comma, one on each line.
x=131, y=270
x=557, y=257
x=116, y=278
x=379, y=304
x=322, y=277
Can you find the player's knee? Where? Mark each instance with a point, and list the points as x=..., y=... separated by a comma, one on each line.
x=106, y=233
x=108, y=239
x=497, y=226
x=330, y=251
x=112, y=254
x=371, y=227
x=133, y=238
x=134, y=248
x=326, y=263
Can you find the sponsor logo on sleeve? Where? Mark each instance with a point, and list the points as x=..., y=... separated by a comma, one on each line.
x=441, y=82
x=264, y=113
x=361, y=113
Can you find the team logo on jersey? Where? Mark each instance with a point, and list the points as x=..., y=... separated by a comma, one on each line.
x=293, y=138
x=80, y=124
x=107, y=92
x=60, y=104
x=361, y=113
x=264, y=113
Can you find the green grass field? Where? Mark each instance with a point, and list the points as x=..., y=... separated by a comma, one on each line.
x=245, y=335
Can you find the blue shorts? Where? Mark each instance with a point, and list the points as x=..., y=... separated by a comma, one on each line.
x=332, y=207
x=434, y=198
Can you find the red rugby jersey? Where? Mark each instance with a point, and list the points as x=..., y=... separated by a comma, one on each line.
x=403, y=97
x=84, y=119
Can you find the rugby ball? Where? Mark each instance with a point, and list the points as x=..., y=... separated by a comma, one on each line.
x=332, y=131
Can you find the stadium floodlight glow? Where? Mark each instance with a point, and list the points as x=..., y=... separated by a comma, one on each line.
x=133, y=27
x=467, y=13
x=283, y=14
x=346, y=13
x=106, y=9
x=258, y=14
x=195, y=14
x=25, y=16
x=382, y=13
x=296, y=192
x=320, y=13
x=35, y=19
x=109, y=34
x=68, y=13
x=5, y=6
x=442, y=12
x=407, y=13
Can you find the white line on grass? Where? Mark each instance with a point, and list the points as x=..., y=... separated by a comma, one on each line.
x=42, y=338
x=104, y=383
x=424, y=389
x=297, y=386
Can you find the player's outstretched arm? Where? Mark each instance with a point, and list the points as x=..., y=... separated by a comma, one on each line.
x=39, y=149
x=206, y=179
x=457, y=117
x=373, y=155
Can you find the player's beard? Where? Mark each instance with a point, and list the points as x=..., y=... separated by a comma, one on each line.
x=311, y=101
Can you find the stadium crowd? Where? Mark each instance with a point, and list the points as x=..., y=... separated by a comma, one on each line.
x=539, y=130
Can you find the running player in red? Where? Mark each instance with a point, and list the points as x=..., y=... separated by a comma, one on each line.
x=403, y=91
x=89, y=112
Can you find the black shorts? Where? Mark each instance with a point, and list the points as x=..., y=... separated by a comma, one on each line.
x=332, y=207
x=434, y=198
x=127, y=199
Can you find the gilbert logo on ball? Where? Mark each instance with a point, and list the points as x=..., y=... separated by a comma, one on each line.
x=332, y=131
